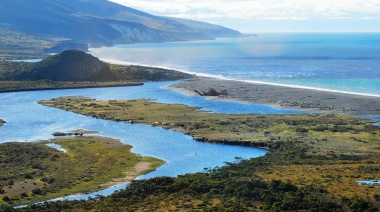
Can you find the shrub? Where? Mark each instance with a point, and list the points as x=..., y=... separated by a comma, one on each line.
x=301, y=130
x=37, y=191
x=6, y=199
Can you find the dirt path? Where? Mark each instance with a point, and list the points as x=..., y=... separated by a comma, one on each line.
x=130, y=175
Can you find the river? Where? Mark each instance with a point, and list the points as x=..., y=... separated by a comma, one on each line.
x=29, y=121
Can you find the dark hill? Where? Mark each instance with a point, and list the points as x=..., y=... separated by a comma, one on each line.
x=78, y=66
x=70, y=65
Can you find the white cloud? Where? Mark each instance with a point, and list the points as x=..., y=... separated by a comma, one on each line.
x=259, y=9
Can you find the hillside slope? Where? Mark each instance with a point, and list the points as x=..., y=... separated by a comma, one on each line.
x=70, y=65
x=100, y=22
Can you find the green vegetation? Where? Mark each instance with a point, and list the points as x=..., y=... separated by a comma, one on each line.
x=136, y=73
x=9, y=86
x=19, y=45
x=120, y=73
x=33, y=172
x=318, y=158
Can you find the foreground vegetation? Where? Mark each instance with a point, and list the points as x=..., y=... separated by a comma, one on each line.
x=314, y=163
x=33, y=172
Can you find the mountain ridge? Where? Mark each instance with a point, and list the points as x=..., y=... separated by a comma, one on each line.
x=102, y=23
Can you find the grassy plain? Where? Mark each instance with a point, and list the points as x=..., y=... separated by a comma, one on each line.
x=18, y=45
x=328, y=151
x=9, y=86
x=35, y=172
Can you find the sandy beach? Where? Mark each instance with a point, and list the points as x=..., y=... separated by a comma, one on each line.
x=284, y=97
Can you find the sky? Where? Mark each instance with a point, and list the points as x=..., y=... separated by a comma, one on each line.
x=252, y=16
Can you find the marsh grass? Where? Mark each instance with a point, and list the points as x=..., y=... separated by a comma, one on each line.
x=39, y=172
x=331, y=151
x=8, y=86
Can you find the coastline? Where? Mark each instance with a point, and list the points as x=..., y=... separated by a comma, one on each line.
x=302, y=98
x=285, y=97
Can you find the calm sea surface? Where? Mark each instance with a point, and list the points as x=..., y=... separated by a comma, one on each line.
x=342, y=62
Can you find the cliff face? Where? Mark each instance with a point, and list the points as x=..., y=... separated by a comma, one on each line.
x=100, y=22
x=71, y=65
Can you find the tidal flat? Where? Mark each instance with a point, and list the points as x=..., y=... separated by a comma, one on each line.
x=282, y=96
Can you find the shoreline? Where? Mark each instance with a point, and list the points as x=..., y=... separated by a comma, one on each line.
x=283, y=97
x=140, y=168
x=127, y=167
x=220, y=77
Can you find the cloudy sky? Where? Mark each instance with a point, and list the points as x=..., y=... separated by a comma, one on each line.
x=272, y=15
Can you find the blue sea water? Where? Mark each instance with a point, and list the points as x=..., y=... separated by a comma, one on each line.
x=347, y=62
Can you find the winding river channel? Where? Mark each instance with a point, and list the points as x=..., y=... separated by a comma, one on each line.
x=29, y=121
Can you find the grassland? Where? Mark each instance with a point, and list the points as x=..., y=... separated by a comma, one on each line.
x=11, y=86
x=17, y=45
x=328, y=152
x=33, y=172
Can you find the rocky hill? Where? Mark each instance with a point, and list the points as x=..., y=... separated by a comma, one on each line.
x=78, y=66
x=70, y=65
x=101, y=23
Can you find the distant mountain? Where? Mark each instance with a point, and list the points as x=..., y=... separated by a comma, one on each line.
x=70, y=65
x=101, y=23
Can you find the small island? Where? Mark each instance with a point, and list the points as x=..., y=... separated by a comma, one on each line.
x=34, y=171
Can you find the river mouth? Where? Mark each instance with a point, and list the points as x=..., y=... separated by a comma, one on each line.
x=27, y=121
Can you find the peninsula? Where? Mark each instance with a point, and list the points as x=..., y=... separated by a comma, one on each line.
x=39, y=172
x=285, y=97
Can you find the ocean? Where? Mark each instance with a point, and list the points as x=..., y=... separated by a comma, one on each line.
x=345, y=62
